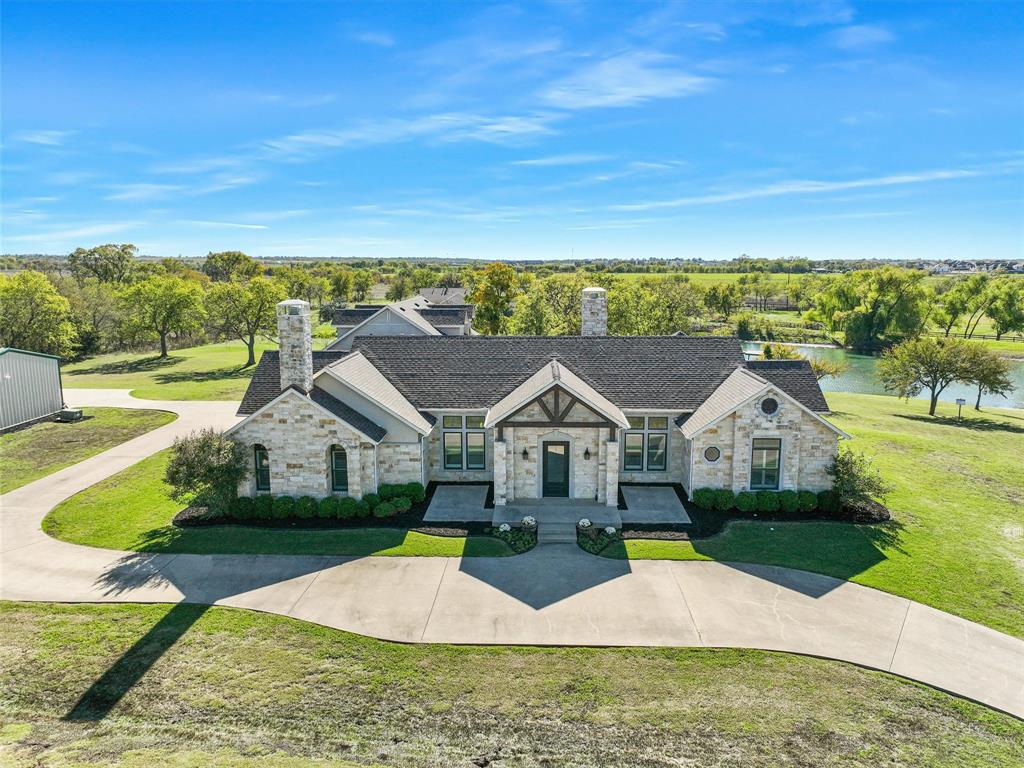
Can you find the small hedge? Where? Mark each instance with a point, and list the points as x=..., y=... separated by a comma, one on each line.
x=413, y=491
x=595, y=541
x=746, y=502
x=284, y=507
x=385, y=509
x=306, y=508
x=371, y=500
x=789, y=503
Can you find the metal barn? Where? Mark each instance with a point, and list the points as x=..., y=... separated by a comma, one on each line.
x=30, y=388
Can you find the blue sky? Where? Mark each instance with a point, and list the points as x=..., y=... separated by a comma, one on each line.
x=550, y=130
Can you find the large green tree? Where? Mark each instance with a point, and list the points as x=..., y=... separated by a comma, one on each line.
x=341, y=284
x=987, y=371
x=496, y=287
x=34, y=316
x=107, y=263
x=245, y=311
x=531, y=316
x=724, y=299
x=923, y=364
x=95, y=312
x=362, y=283
x=162, y=305
x=874, y=307
x=1007, y=306
x=226, y=266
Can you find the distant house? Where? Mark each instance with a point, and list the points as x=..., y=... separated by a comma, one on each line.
x=30, y=388
x=410, y=317
x=438, y=296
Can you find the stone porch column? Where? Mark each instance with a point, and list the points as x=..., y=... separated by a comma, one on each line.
x=510, y=464
x=612, y=474
x=500, y=473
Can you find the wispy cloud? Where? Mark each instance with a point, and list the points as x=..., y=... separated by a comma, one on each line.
x=293, y=100
x=223, y=224
x=141, y=191
x=380, y=39
x=558, y=160
x=814, y=187
x=861, y=36
x=78, y=233
x=46, y=138
x=624, y=80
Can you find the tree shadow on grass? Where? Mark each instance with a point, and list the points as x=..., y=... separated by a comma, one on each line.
x=141, y=365
x=978, y=424
x=218, y=374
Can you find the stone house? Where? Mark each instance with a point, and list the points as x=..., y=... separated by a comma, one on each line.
x=563, y=417
x=417, y=316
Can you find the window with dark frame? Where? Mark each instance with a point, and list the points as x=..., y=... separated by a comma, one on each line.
x=261, y=459
x=645, y=447
x=339, y=469
x=765, y=464
x=464, y=442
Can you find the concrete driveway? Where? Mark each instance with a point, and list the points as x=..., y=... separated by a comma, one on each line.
x=554, y=595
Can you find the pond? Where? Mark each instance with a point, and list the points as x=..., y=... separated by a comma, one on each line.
x=860, y=376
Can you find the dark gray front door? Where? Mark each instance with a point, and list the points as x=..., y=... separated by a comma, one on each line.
x=555, y=458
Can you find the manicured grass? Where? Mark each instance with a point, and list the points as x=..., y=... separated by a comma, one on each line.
x=208, y=372
x=132, y=510
x=42, y=449
x=195, y=686
x=956, y=540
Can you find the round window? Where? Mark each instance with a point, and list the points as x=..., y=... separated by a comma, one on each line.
x=712, y=454
x=769, y=406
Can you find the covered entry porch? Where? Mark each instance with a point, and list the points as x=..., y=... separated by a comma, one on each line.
x=556, y=438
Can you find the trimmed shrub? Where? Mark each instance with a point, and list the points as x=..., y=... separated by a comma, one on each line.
x=829, y=503
x=746, y=502
x=306, y=507
x=243, y=509
x=723, y=500
x=807, y=501
x=363, y=509
x=402, y=504
x=348, y=508
x=329, y=509
x=704, y=498
x=789, y=502
x=371, y=500
x=389, y=491
x=767, y=502
x=415, y=491
x=263, y=507
x=385, y=509
x=284, y=507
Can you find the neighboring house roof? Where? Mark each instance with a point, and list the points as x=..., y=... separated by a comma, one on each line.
x=355, y=371
x=407, y=309
x=353, y=315
x=325, y=402
x=550, y=375
x=457, y=315
x=795, y=377
x=437, y=295
x=347, y=414
x=741, y=387
x=668, y=372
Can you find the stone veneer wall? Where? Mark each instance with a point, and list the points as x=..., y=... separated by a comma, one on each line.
x=594, y=312
x=400, y=462
x=673, y=472
x=298, y=435
x=435, y=460
x=584, y=473
x=296, y=345
x=808, y=447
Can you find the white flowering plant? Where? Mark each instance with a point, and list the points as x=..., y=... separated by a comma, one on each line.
x=610, y=530
x=504, y=527
x=584, y=523
x=529, y=521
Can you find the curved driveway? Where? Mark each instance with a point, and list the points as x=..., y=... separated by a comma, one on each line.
x=554, y=595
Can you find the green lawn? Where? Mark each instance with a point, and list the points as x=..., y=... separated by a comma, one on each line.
x=143, y=685
x=957, y=538
x=208, y=372
x=42, y=449
x=132, y=510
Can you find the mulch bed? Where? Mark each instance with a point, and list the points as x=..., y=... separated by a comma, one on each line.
x=411, y=520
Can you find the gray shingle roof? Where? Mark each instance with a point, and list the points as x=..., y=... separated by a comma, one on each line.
x=446, y=315
x=437, y=295
x=265, y=384
x=353, y=316
x=477, y=371
x=795, y=378
x=348, y=414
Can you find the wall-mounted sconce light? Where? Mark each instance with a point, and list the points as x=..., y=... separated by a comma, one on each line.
x=586, y=454
x=525, y=455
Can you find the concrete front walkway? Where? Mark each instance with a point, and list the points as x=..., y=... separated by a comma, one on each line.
x=554, y=595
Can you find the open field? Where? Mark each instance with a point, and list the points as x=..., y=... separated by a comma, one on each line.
x=956, y=540
x=132, y=510
x=42, y=449
x=709, y=278
x=194, y=686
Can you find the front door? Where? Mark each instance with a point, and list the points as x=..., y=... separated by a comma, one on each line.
x=555, y=458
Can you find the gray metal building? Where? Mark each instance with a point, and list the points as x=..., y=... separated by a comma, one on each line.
x=30, y=388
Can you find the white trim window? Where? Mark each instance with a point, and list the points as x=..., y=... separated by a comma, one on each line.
x=463, y=442
x=645, y=444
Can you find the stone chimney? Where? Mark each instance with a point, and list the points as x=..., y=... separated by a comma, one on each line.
x=595, y=312
x=295, y=338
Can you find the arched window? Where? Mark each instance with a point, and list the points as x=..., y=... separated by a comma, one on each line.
x=339, y=468
x=261, y=459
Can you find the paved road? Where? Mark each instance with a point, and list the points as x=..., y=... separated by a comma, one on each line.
x=554, y=595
